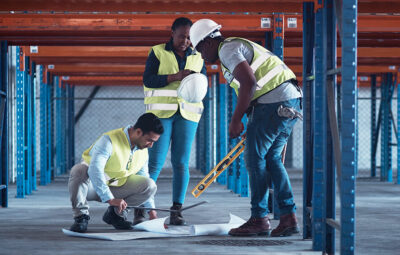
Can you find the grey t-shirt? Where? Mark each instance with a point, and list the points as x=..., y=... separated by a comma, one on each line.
x=236, y=51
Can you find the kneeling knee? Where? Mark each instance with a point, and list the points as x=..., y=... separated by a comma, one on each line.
x=151, y=187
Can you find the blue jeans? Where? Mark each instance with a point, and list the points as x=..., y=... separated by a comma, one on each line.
x=267, y=134
x=181, y=133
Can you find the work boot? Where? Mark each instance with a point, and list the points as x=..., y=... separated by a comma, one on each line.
x=254, y=226
x=80, y=224
x=176, y=218
x=287, y=226
x=139, y=216
x=118, y=222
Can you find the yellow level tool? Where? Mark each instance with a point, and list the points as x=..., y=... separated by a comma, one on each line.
x=219, y=168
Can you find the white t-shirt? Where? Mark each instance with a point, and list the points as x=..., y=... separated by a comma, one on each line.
x=236, y=51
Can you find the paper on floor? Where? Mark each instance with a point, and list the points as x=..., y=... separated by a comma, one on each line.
x=155, y=229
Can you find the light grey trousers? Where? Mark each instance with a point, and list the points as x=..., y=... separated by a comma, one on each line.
x=137, y=190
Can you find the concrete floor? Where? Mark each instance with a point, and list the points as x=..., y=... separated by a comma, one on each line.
x=33, y=225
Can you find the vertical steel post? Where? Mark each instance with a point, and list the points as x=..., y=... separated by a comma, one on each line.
x=398, y=125
x=20, y=132
x=59, y=128
x=50, y=121
x=64, y=128
x=386, y=137
x=222, y=128
x=207, y=133
x=320, y=127
x=213, y=120
x=3, y=124
x=71, y=127
x=232, y=142
x=308, y=118
x=349, y=86
x=33, y=125
x=330, y=205
x=43, y=129
x=244, y=177
x=28, y=126
x=373, y=124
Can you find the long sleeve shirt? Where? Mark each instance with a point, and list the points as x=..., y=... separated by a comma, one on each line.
x=100, y=153
x=152, y=79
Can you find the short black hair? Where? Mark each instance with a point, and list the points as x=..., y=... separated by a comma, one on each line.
x=149, y=122
x=181, y=22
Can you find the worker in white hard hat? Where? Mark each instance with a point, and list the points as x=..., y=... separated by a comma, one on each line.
x=264, y=84
x=166, y=66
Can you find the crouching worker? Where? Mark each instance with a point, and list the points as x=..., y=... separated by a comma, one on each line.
x=114, y=171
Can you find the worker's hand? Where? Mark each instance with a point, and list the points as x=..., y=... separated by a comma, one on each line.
x=235, y=128
x=182, y=74
x=152, y=215
x=117, y=202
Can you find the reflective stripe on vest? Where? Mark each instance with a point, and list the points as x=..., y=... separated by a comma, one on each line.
x=269, y=70
x=161, y=107
x=191, y=108
x=161, y=93
x=164, y=102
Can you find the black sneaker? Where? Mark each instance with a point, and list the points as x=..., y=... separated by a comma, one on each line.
x=138, y=216
x=176, y=218
x=118, y=222
x=80, y=224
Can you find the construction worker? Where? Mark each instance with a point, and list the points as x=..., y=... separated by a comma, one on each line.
x=266, y=89
x=114, y=171
x=166, y=66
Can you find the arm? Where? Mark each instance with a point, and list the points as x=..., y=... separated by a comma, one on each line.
x=100, y=154
x=152, y=79
x=248, y=83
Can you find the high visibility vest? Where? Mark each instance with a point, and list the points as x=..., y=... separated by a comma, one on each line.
x=164, y=102
x=121, y=164
x=269, y=70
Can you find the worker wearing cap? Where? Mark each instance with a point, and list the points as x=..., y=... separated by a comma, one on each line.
x=166, y=66
x=114, y=171
x=264, y=84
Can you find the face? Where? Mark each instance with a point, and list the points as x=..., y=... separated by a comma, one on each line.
x=207, y=50
x=180, y=38
x=144, y=141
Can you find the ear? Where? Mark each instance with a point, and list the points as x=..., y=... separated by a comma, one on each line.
x=138, y=132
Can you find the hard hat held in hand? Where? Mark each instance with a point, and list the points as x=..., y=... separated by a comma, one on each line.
x=203, y=28
x=193, y=88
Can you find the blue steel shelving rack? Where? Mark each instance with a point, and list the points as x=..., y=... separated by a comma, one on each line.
x=3, y=125
x=20, y=126
x=348, y=132
x=25, y=114
x=319, y=131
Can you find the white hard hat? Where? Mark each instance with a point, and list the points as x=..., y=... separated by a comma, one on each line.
x=193, y=88
x=203, y=28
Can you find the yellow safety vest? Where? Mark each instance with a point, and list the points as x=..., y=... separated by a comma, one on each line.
x=269, y=70
x=121, y=163
x=164, y=102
